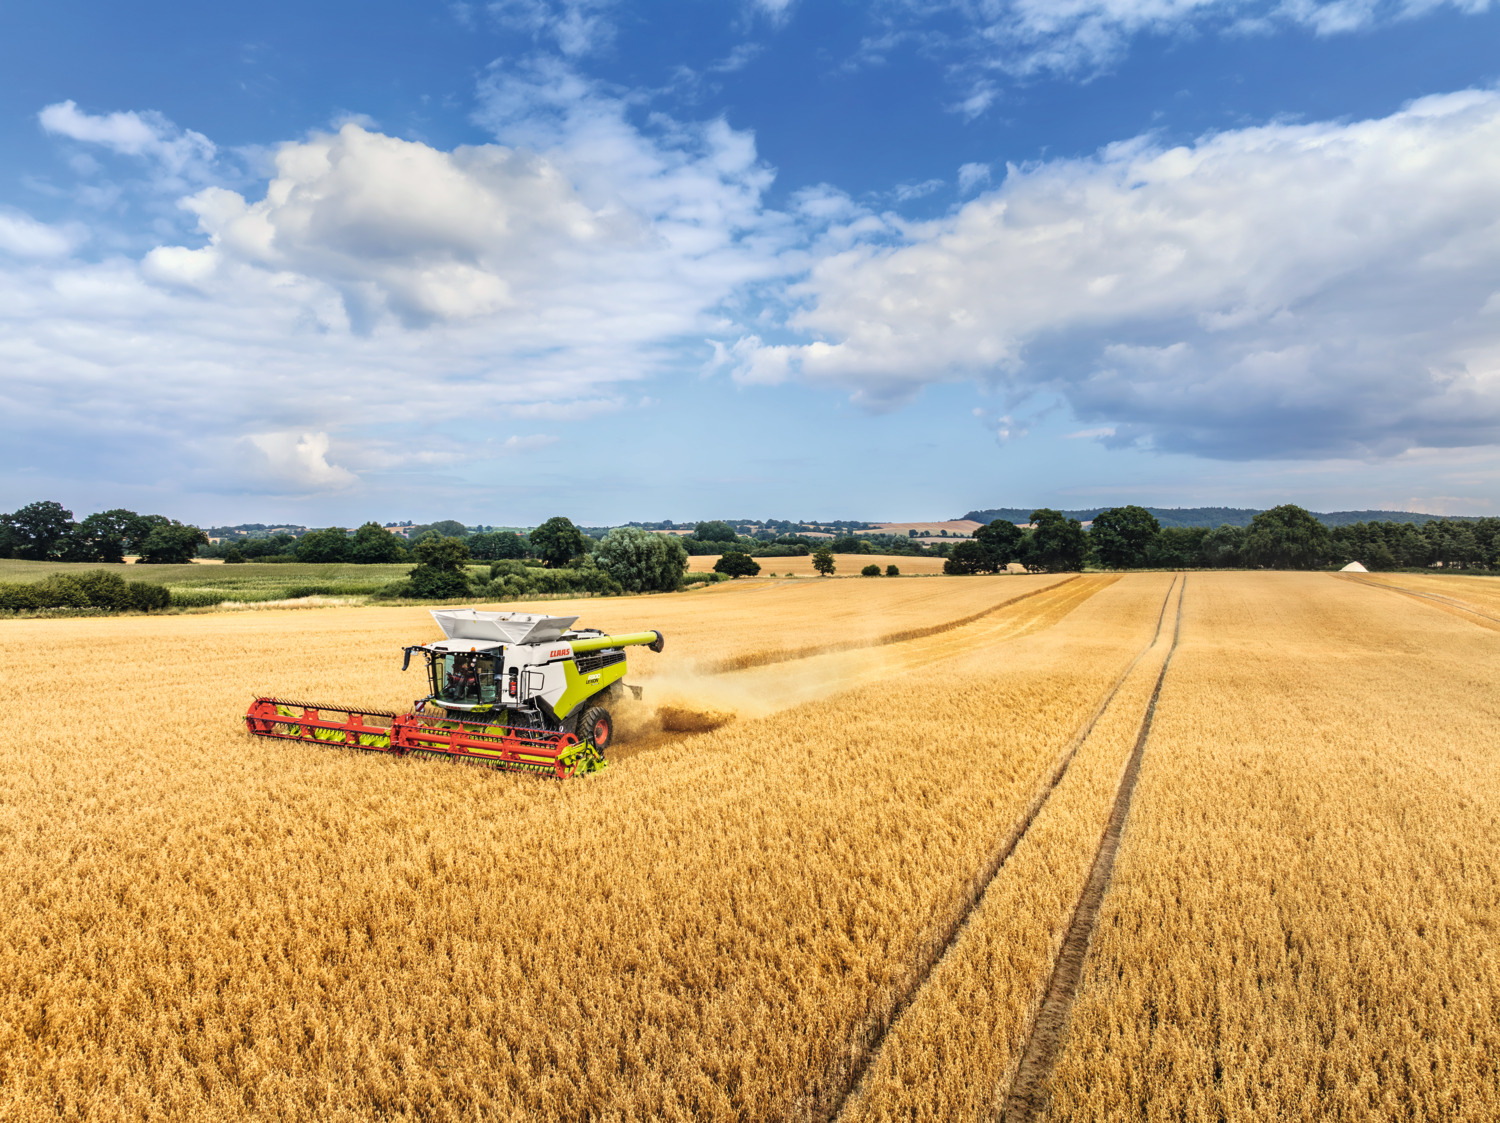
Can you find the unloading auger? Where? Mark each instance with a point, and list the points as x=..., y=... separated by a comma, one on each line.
x=521, y=692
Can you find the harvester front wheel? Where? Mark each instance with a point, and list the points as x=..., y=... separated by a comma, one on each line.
x=598, y=726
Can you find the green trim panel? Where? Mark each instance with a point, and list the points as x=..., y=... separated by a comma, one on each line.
x=581, y=687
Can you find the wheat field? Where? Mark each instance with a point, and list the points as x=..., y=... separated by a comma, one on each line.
x=846, y=565
x=846, y=900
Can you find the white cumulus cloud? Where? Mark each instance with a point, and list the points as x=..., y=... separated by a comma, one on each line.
x=373, y=280
x=1287, y=289
x=149, y=135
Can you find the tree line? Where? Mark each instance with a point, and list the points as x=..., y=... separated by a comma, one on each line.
x=45, y=531
x=1285, y=537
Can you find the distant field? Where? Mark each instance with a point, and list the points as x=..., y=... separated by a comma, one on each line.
x=957, y=528
x=848, y=565
x=248, y=583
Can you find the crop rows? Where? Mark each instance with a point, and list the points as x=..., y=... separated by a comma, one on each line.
x=196, y=923
x=1303, y=921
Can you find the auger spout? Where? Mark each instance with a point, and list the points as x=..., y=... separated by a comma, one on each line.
x=653, y=640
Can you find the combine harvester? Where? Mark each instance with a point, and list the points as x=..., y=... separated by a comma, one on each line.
x=518, y=691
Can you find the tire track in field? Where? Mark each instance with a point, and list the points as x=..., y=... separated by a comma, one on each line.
x=840, y=1087
x=1465, y=610
x=766, y=658
x=1029, y=1090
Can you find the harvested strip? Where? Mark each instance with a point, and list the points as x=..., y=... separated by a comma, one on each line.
x=1028, y=1094
x=867, y=1048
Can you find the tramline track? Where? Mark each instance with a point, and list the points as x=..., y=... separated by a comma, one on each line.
x=841, y=1087
x=1435, y=598
x=1027, y=1099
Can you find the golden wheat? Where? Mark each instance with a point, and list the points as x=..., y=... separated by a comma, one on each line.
x=1303, y=922
x=845, y=565
x=954, y=1051
x=197, y=924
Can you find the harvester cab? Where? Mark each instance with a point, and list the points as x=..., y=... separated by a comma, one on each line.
x=525, y=670
x=515, y=690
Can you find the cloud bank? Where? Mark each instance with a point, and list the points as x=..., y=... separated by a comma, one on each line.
x=1287, y=290
x=378, y=305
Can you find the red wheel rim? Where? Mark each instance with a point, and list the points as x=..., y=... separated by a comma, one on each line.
x=601, y=731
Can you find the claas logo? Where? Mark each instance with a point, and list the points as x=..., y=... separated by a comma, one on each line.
x=559, y=651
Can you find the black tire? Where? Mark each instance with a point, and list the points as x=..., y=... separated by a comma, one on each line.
x=597, y=724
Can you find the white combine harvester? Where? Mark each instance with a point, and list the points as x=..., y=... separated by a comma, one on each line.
x=515, y=689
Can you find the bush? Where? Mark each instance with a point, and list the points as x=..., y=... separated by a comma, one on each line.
x=512, y=579
x=892, y=571
x=234, y=557
x=870, y=571
x=737, y=565
x=145, y=596
x=17, y=597
x=96, y=589
x=430, y=582
x=705, y=578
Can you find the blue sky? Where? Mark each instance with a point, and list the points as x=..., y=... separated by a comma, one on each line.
x=789, y=258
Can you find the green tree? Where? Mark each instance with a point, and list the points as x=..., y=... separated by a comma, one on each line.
x=642, y=562
x=38, y=530
x=447, y=528
x=715, y=531
x=173, y=544
x=892, y=571
x=439, y=573
x=330, y=545
x=495, y=545
x=1001, y=541
x=1224, y=546
x=1177, y=547
x=557, y=542
x=1056, y=544
x=233, y=556
x=372, y=544
x=849, y=544
x=967, y=558
x=738, y=564
x=128, y=527
x=95, y=539
x=822, y=560
x=1121, y=536
x=1287, y=537
x=870, y=571
x=277, y=544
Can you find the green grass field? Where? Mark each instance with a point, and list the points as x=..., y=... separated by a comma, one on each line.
x=211, y=584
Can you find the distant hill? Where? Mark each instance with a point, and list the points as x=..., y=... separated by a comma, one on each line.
x=1218, y=516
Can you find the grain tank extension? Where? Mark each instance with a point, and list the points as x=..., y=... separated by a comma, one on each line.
x=517, y=690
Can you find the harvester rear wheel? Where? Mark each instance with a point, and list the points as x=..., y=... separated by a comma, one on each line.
x=597, y=725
